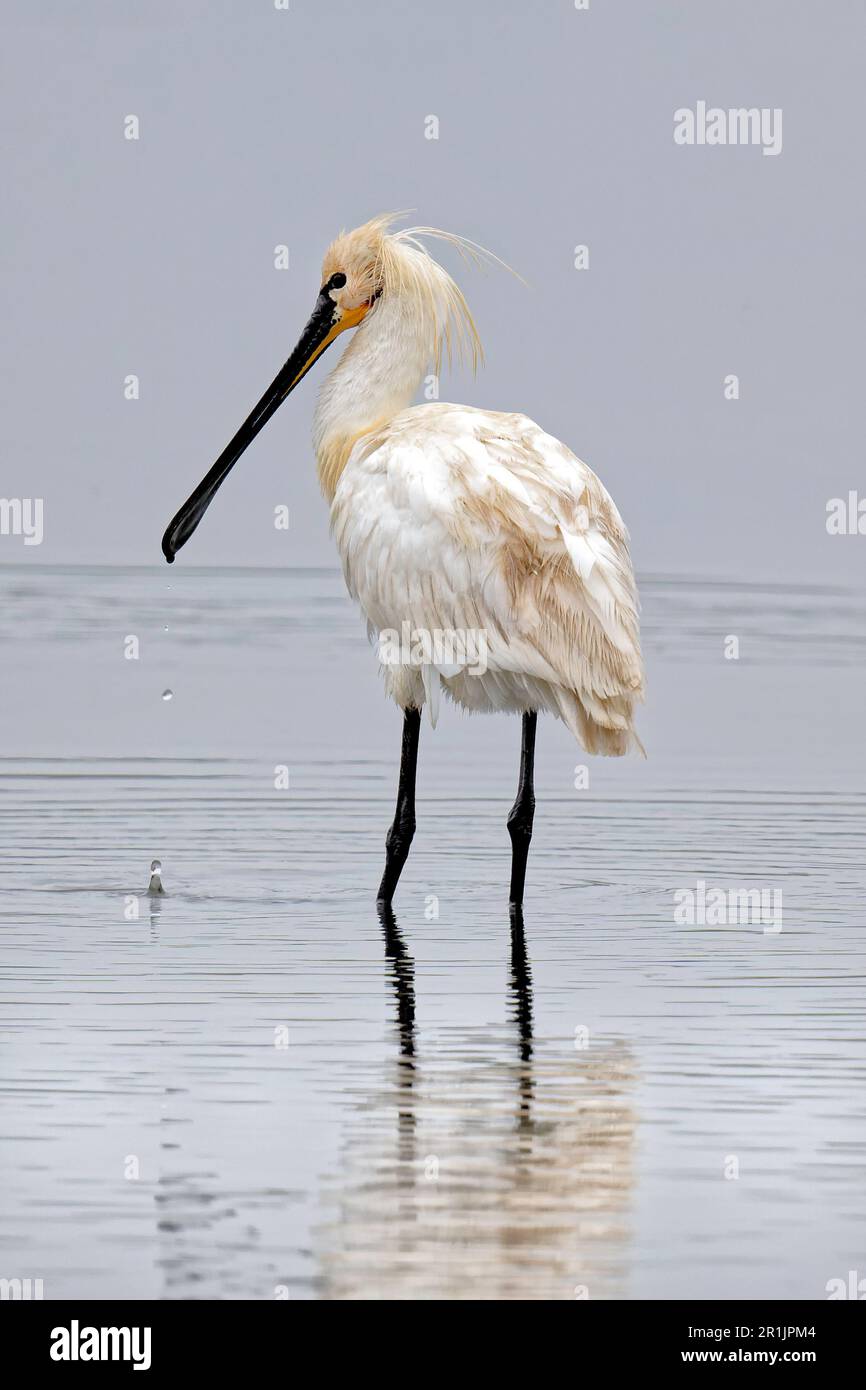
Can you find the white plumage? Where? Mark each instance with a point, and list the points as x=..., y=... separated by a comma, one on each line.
x=451, y=518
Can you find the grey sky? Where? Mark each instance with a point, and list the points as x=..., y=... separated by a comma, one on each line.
x=261, y=127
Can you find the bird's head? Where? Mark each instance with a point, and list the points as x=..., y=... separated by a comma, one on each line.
x=354, y=267
x=379, y=267
x=367, y=272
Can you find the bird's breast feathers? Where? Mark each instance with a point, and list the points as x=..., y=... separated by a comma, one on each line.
x=452, y=517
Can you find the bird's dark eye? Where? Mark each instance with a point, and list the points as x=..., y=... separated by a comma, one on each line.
x=338, y=280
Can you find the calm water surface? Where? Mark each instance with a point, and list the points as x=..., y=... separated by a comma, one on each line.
x=255, y=1088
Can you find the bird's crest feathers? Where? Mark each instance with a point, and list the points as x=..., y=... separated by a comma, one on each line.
x=377, y=261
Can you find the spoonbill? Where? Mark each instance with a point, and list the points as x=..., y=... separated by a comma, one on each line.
x=482, y=540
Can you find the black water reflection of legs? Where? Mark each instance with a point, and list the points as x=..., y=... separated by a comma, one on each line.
x=403, y=982
x=520, y=988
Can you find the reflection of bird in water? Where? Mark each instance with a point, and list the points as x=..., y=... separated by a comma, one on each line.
x=403, y=977
x=155, y=909
x=521, y=990
x=506, y=1177
x=403, y=968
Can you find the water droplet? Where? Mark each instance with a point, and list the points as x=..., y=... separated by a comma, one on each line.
x=165, y=629
x=154, y=887
x=168, y=694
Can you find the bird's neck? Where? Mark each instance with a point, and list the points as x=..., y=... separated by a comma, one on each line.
x=376, y=377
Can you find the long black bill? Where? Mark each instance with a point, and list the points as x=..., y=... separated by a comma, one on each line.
x=324, y=321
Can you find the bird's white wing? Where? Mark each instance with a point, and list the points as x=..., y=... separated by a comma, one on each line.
x=458, y=518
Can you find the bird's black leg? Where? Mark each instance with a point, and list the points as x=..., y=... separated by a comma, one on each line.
x=399, y=837
x=523, y=810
